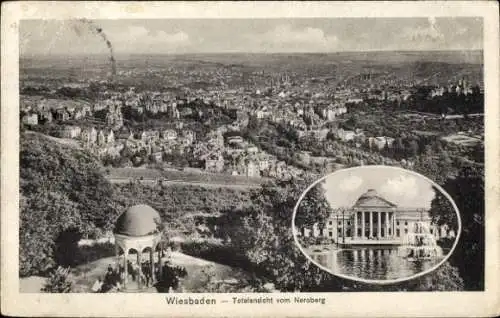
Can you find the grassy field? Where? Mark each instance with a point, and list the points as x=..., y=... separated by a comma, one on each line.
x=63, y=141
x=117, y=174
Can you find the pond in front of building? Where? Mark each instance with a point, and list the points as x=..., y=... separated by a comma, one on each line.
x=373, y=263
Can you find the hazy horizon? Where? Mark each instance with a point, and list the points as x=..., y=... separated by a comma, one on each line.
x=256, y=53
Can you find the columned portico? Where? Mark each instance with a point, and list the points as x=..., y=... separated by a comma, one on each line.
x=363, y=224
x=379, y=224
x=356, y=224
x=387, y=224
x=373, y=218
x=371, y=223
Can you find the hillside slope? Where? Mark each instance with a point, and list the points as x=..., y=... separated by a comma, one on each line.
x=63, y=195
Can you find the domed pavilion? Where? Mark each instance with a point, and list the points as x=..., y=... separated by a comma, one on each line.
x=136, y=229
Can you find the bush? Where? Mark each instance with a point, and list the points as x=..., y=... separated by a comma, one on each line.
x=170, y=277
x=58, y=281
x=86, y=254
x=174, y=245
x=219, y=253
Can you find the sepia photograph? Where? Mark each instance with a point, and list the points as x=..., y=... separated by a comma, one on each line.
x=140, y=161
x=405, y=228
x=141, y=155
x=239, y=159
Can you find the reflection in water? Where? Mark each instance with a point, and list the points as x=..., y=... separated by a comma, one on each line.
x=372, y=263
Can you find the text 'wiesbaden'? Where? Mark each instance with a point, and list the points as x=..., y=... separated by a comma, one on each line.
x=190, y=301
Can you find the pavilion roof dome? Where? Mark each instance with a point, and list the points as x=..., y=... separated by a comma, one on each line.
x=138, y=220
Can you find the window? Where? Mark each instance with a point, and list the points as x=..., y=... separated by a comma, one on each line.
x=397, y=223
x=348, y=222
x=340, y=222
x=330, y=223
x=406, y=222
x=330, y=234
x=406, y=231
x=398, y=234
x=432, y=231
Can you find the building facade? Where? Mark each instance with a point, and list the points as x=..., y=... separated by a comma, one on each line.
x=374, y=220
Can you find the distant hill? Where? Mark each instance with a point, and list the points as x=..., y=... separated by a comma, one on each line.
x=386, y=57
x=261, y=59
x=340, y=64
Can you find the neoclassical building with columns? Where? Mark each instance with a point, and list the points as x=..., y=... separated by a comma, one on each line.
x=373, y=220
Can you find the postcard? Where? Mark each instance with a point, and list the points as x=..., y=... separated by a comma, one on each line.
x=250, y=159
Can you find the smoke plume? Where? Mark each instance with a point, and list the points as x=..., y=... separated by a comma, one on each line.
x=98, y=30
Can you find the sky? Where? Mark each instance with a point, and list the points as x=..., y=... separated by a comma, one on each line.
x=404, y=189
x=321, y=35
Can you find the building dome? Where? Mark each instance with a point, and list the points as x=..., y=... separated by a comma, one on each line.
x=372, y=199
x=371, y=193
x=138, y=220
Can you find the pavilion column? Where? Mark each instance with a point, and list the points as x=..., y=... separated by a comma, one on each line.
x=140, y=269
x=160, y=269
x=371, y=223
x=387, y=224
x=356, y=224
x=379, y=224
x=125, y=265
x=117, y=254
x=152, y=265
x=363, y=224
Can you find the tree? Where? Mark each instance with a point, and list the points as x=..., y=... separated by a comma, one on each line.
x=399, y=148
x=442, y=211
x=313, y=208
x=352, y=122
x=467, y=189
x=477, y=153
x=412, y=148
x=62, y=188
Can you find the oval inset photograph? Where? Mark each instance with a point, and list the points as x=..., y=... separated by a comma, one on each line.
x=378, y=224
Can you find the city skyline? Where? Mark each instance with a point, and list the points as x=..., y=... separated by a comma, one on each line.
x=300, y=35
